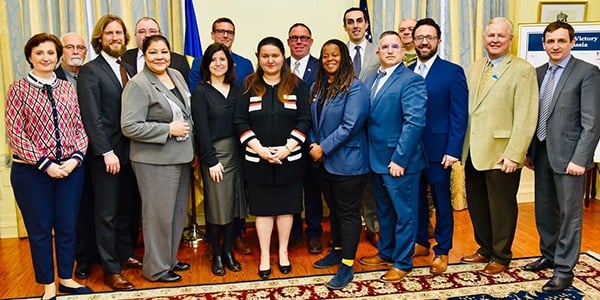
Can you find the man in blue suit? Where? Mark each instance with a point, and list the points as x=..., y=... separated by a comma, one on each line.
x=395, y=126
x=447, y=114
x=305, y=66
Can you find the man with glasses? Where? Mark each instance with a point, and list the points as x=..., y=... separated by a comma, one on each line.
x=223, y=31
x=144, y=28
x=396, y=155
x=305, y=66
x=405, y=30
x=73, y=57
x=446, y=115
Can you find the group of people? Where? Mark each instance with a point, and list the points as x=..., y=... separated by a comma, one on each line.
x=373, y=128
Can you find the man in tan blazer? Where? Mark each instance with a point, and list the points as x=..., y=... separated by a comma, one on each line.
x=503, y=107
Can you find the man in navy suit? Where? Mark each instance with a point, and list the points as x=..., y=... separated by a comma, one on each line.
x=447, y=114
x=562, y=149
x=395, y=126
x=305, y=67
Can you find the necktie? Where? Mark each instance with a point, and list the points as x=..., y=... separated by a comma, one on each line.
x=422, y=70
x=297, y=69
x=486, y=78
x=357, y=61
x=374, y=89
x=545, y=103
x=123, y=72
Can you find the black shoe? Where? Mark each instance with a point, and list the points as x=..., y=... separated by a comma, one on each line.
x=264, y=274
x=315, y=246
x=217, y=266
x=538, y=265
x=557, y=284
x=169, y=277
x=78, y=290
x=181, y=266
x=231, y=263
x=82, y=270
x=285, y=269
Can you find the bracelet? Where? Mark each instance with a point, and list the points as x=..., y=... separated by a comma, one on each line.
x=288, y=148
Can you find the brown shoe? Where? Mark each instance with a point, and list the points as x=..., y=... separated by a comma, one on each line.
x=393, y=275
x=374, y=260
x=475, y=258
x=240, y=246
x=373, y=238
x=118, y=282
x=439, y=264
x=131, y=263
x=493, y=268
x=420, y=250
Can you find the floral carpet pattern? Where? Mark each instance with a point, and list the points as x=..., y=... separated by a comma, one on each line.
x=461, y=281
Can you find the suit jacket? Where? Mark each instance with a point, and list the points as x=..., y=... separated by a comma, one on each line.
x=146, y=115
x=447, y=110
x=396, y=122
x=178, y=62
x=310, y=74
x=60, y=73
x=573, y=126
x=341, y=133
x=99, y=92
x=370, y=61
x=502, y=119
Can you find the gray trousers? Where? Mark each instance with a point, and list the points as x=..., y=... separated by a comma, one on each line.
x=165, y=190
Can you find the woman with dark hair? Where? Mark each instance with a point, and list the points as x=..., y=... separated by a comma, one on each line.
x=155, y=115
x=338, y=143
x=272, y=119
x=46, y=136
x=213, y=104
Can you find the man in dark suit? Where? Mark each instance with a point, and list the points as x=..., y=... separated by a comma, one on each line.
x=145, y=27
x=447, y=99
x=566, y=136
x=99, y=88
x=396, y=155
x=305, y=66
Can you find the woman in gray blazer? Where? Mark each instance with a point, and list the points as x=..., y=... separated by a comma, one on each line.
x=156, y=117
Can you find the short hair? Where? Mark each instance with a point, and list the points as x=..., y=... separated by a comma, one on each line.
x=500, y=20
x=154, y=38
x=353, y=9
x=558, y=25
x=388, y=32
x=146, y=19
x=299, y=25
x=207, y=59
x=39, y=38
x=99, y=29
x=222, y=20
x=430, y=22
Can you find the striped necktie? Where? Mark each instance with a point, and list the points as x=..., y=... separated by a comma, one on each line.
x=545, y=103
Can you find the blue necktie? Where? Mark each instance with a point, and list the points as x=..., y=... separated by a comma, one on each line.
x=374, y=89
x=357, y=61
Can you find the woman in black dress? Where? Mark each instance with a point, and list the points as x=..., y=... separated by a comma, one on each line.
x=220, y=152
x=272, y=120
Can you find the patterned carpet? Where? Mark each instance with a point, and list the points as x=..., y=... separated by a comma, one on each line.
x=459, y=282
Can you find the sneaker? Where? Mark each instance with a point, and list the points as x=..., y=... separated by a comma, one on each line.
x=344, y=275
x=333, y=258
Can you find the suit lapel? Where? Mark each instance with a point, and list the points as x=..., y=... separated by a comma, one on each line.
x=564, y=77
x=109, y=72
x=162, y=89
x=388, y=83
x=502, y=67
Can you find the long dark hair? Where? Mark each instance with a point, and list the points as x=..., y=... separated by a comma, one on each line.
x=207, y=59
x=255, y=83
x=342, y=79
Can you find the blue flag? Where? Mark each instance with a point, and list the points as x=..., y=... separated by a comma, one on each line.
x=192, y=45
x=365, y=9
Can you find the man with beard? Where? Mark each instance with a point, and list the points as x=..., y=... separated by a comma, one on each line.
x=446, y=116
x=405, y=30
x=99, y=88
x=73, y=56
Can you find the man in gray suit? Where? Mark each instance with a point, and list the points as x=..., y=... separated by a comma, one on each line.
x=566, y=136
x=365, y=62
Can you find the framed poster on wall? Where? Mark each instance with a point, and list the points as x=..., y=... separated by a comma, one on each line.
x=562, y=11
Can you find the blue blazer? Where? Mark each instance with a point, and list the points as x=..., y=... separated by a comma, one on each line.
x=310, y=74
x=447, y=110
x=341, y=131
x=396, y=122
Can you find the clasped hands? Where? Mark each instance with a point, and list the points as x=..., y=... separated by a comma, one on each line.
x=63, y=169
x=273, y=154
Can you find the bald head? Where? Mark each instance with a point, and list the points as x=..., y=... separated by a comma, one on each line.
x=74, y=51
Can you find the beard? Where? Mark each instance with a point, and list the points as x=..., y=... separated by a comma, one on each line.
x=75, y=61
x=426, y=56
x=114, y=53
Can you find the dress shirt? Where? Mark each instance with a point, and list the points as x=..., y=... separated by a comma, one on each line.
x=388, y=73
x=303, y=63
x=112, y=62
x=427, y=64
x=140, y=60
x=363, y=47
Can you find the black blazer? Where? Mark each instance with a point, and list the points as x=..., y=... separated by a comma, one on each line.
x=60, y=73
x=178, y=62
x=99, y=92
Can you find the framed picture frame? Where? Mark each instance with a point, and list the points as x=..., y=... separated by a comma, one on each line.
x=562, y=11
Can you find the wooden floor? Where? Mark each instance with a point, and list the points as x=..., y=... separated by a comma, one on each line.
x=17, y=280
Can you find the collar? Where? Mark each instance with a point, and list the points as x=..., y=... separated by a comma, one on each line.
x=40, y=82
x=363, y=45
x=427, y=63
x=110, y=59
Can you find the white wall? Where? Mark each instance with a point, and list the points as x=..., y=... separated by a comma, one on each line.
x=256, y=19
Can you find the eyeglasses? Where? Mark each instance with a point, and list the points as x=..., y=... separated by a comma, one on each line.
x=295, y=38
x=429, y=38
x=385, y=47
x=149, y=31
x=224, y=31
x=73, y=47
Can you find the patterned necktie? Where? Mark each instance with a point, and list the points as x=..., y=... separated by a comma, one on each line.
x=296, y=70
x=374, y=89
x=486, y=78
x=124, y=78
x=357, y=61
x=422, y=70
x=545, y=103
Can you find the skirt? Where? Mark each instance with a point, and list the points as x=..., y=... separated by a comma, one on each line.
x=273, y=200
